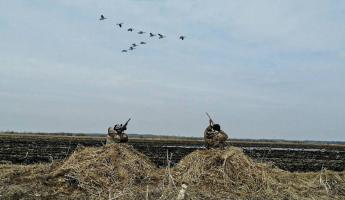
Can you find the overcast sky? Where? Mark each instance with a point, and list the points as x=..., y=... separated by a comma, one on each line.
x=262, y=69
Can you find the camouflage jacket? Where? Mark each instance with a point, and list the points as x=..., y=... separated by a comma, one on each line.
x=210, y=133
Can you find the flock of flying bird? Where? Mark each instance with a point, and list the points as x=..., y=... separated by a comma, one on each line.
x=134, y=45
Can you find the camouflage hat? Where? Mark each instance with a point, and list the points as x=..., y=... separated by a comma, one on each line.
x=216, y=127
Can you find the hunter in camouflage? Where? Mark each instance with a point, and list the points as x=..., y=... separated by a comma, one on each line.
x=214, y=137
x=117, y=134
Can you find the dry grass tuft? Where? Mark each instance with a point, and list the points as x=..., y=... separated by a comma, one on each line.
x=113, y=171
x=230, y=174
x=119, y=172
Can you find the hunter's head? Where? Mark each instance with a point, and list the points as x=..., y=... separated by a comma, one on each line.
x=216, y=127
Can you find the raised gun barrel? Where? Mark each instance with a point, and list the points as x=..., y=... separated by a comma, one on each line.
x=124, y=127
x=209, y=117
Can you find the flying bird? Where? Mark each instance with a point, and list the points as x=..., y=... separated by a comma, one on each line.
x=160, y=36
x=120, y=25
x=141, y=32
x=130, y=29
x=151, y=34
x=134, y=45
x=124, y=51
x=102, y=17
x=182, y=37
x=131, y=48
x=142, y=42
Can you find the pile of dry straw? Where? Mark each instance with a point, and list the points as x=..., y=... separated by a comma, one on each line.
x=120, y=172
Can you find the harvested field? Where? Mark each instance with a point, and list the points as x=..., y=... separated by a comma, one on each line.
x=120, y=172
x=291, y=156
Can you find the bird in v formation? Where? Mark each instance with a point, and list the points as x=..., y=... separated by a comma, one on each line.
x=102, y=17
x=132, y=47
